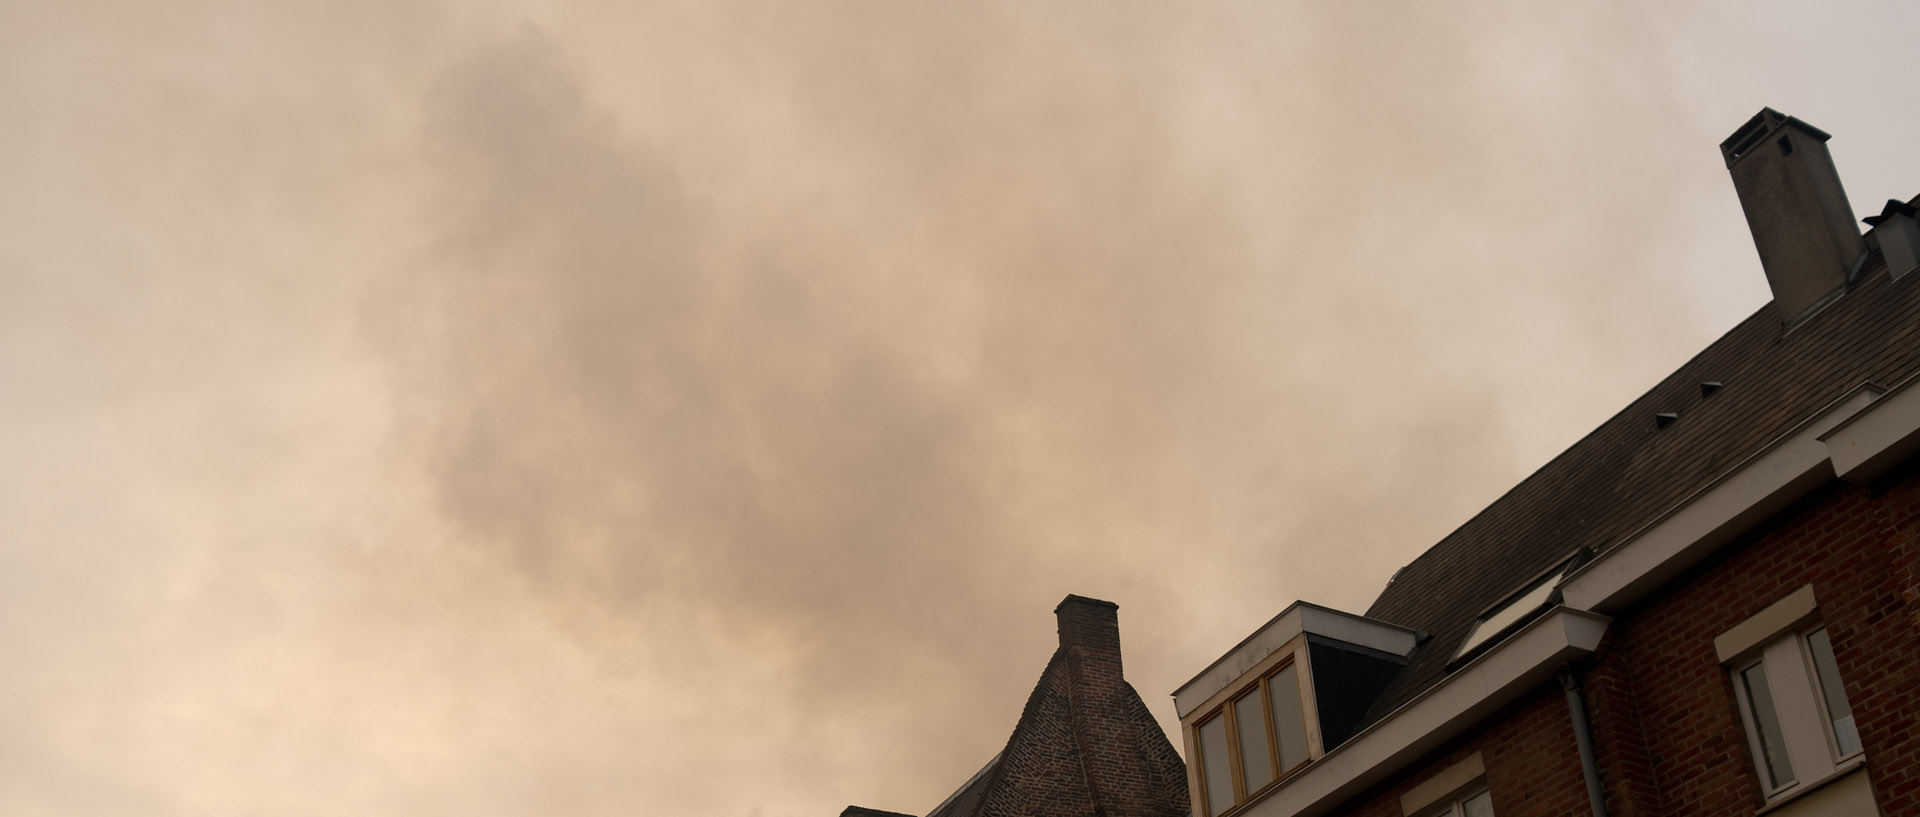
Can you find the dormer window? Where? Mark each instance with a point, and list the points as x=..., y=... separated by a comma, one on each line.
x=1253, y=740
x=1280, y=699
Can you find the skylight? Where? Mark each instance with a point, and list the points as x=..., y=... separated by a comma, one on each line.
x=1518, y=607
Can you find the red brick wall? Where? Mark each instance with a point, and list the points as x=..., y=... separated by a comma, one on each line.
x=1613, y=714
x=1666, y=727
x=1855, y=549
x=1532, y=768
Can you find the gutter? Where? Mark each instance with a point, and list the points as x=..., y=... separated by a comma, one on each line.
x=1857, y=437
x=1476, y=690
x=1760, y=486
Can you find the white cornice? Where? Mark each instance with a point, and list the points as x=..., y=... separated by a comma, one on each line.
x=1865, y=445
x=1759, y=487
x=1470, y=693
x=1857, y=437
x=1299, y=617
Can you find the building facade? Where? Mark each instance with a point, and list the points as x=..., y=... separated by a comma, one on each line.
x=1708, y=606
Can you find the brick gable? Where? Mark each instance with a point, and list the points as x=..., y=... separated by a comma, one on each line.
x=1085, y=744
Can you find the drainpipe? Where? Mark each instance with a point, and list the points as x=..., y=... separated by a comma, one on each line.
x=1583, y=736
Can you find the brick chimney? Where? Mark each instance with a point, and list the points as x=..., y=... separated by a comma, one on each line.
x=1085, y=745
x=1796, y=209
x=1131, y=770
x=1090, y=633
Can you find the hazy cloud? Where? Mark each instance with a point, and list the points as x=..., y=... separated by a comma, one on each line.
x=699, y=407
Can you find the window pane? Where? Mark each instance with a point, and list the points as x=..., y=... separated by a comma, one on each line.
x=1255, y=767
x=1845, y=738
x=1766, y=721
x=1500, y=619
x=1213, y=759
x=1479, y=805
x=1289, y=726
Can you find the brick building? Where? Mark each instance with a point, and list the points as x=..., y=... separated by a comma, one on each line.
x=1710, y=605
x=1085, y=744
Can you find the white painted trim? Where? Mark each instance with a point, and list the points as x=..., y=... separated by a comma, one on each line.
x=1797, y=704
x=1843, y=792
x=1781, y=616
x=1279, y=632
x=1522, y=662
x=1295, y=650
x=1850, y=438
x=1310, y=705
x=1276, y=635
x=1758, y=488
x=1357, y=630
x=1449, y=782
x=1866, y=445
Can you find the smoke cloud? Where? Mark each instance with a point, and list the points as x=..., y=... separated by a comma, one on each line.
x=699, y=407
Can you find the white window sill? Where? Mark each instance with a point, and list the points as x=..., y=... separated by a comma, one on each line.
x=1846, y=767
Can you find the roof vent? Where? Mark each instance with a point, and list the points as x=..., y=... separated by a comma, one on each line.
x=1898, y=233
x=1664, y=419
x=1795, y=207
x=1708, y=388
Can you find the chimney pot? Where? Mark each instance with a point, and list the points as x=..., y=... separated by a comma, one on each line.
x=1796, y=209
x=1898, y=234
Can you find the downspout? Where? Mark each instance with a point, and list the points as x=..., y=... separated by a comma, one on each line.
x=1583, y=737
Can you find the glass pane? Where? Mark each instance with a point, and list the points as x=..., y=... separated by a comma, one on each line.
x=1255, y=767
x=1213, y=764
x=1845, y=738
x=1773, y=749
x=1289, y=726
x=1479, y=805
x=1513, y=611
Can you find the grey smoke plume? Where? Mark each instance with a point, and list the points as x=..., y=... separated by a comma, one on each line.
x=698, y=407
x=978, y=318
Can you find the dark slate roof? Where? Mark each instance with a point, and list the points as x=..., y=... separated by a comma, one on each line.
x=1622, y=474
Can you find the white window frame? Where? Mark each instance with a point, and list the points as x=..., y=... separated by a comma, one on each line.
x=1800, y=708
x=1519, y=607
x=1457, y=807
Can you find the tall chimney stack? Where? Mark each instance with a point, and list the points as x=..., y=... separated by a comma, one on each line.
x=1796, y=209
x=1090, y=632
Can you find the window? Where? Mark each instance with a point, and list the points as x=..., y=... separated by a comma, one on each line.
x=1506, y=615
x=1478, y=805
x=1517, y=609
x=1794, y=707
x=1253, y=740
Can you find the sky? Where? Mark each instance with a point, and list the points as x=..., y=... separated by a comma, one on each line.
x=698, y=407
